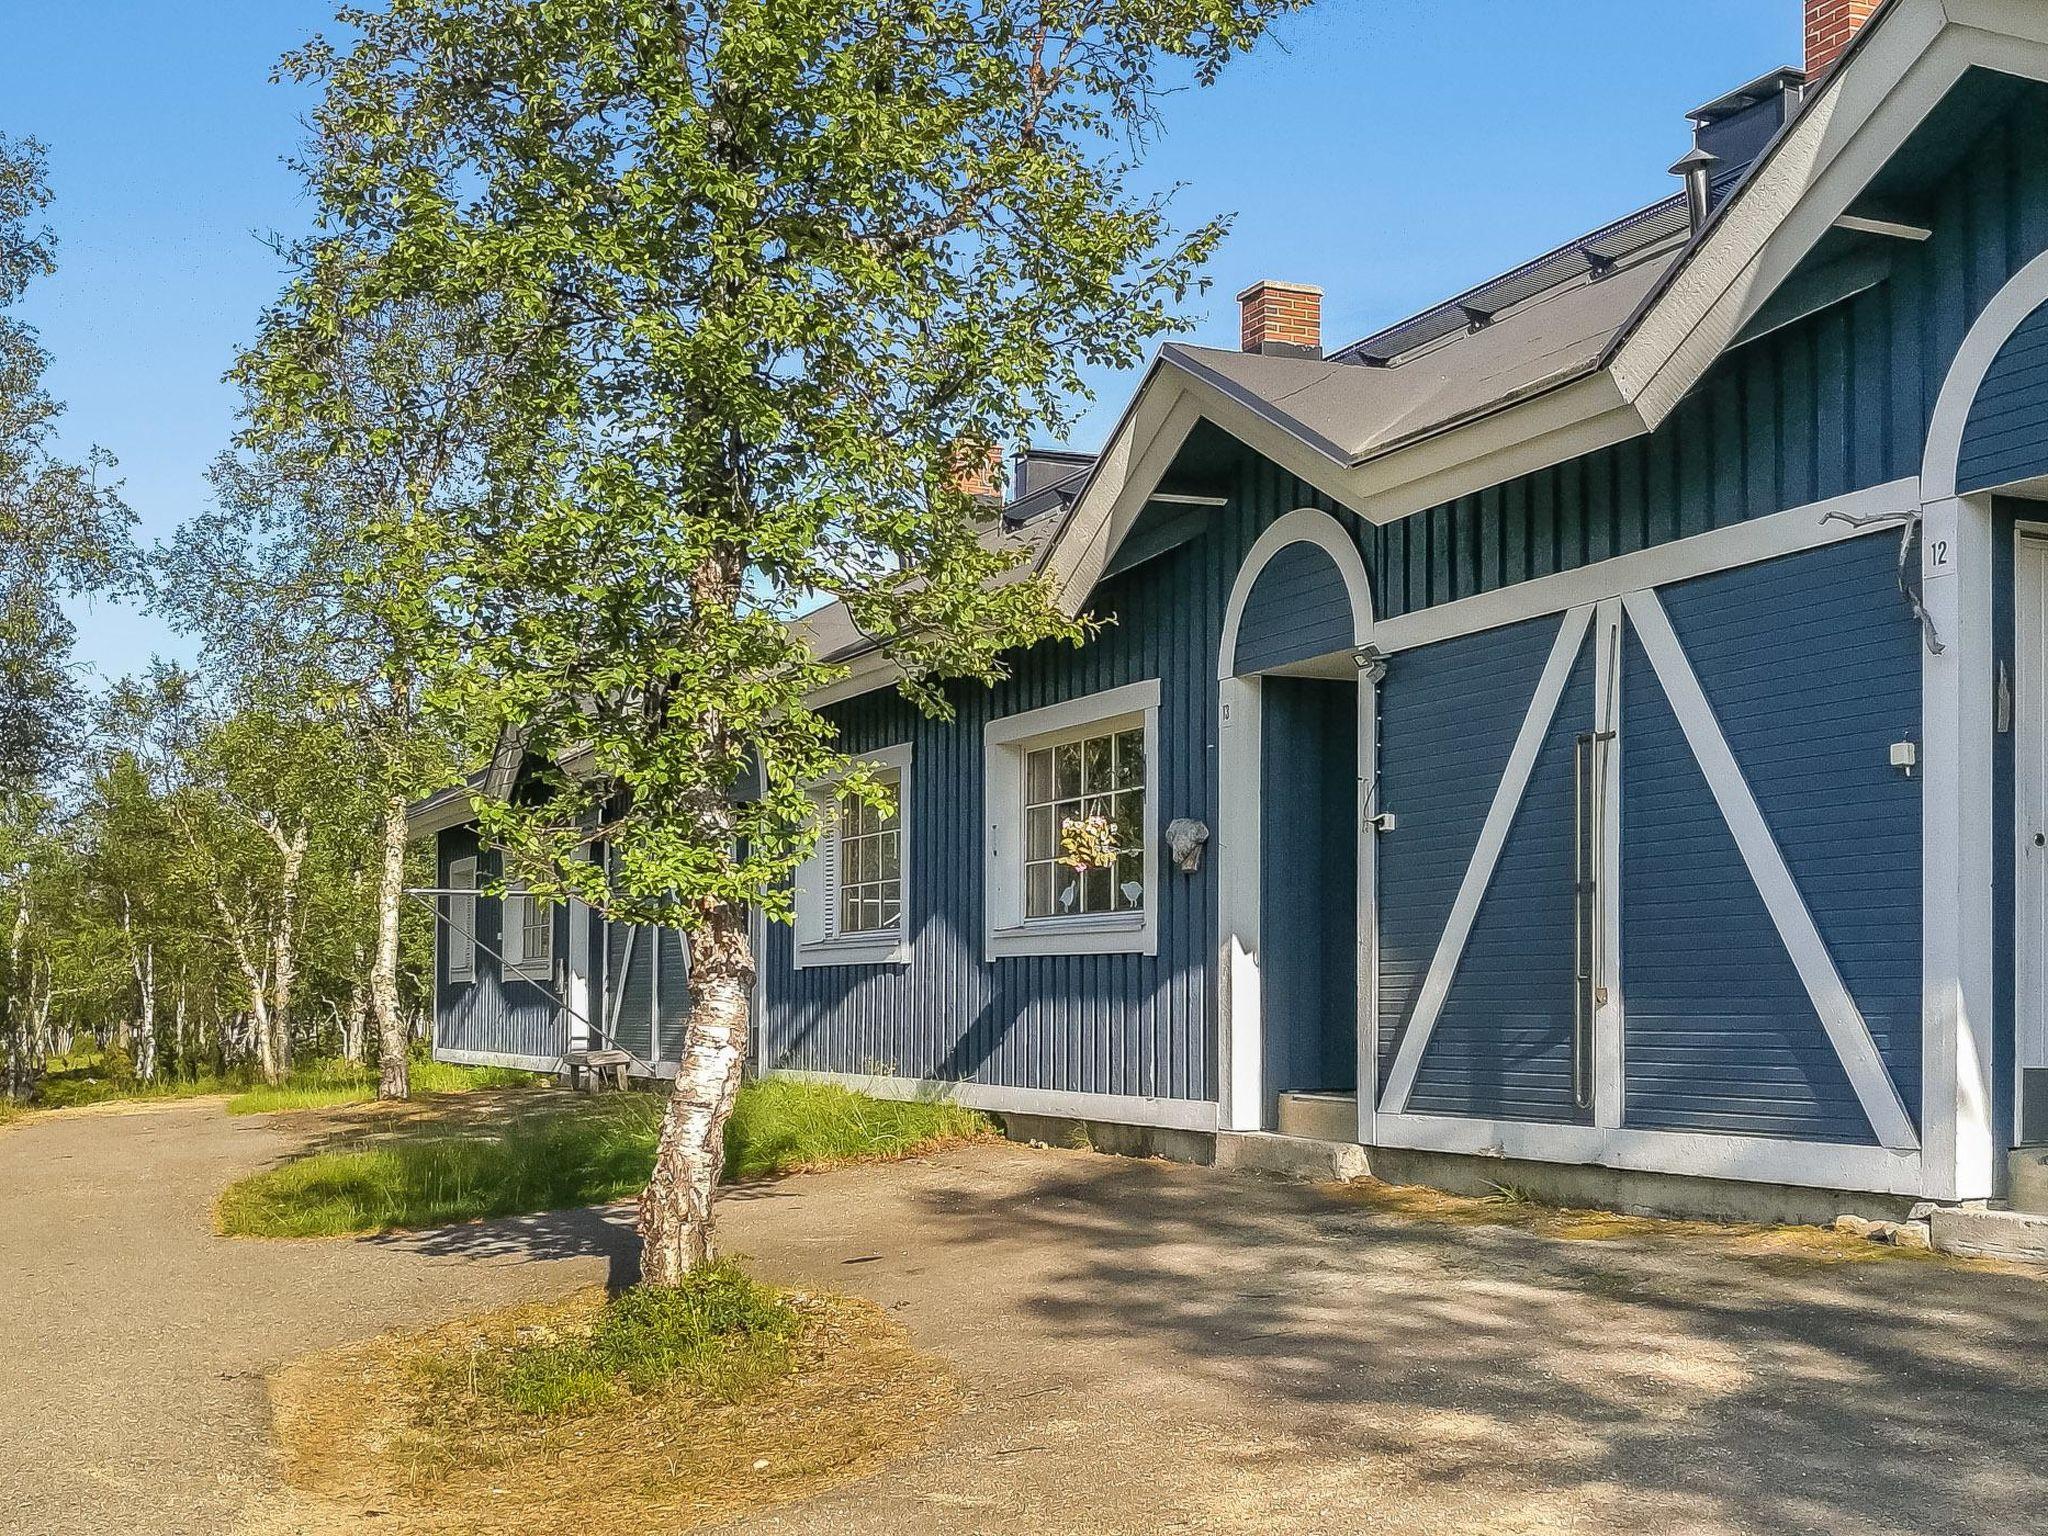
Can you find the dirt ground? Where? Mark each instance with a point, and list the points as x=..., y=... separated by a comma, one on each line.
x=1141, y=1347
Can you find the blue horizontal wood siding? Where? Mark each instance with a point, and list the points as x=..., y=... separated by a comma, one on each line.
x=1720, y=1032
x=1449, y=715
x=1502, y=1047
x=1298, y=609
x=2006, y=437
x=1812, y=665
x=494, y=1014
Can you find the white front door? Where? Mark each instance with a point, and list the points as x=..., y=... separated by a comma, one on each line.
x=2030, y=817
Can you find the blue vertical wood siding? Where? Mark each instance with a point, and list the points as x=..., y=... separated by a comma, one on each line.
x=1837, y=402
x=2006, y=437
x=1502, y=1047
x=1449, y=714
x=1308, y=861
x=1298, y=609
x=494, y=1014
x=1721, y=1035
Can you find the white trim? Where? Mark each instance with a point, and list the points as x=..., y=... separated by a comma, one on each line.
x=1304, y=525
x=542, y=1064
x=2023, y=293
x=1721, y=549
x=1239, y=1004
x=454, y=926
x=1839, y=1015
x=1366, y=906
x=1858, y=224
x=1756, y=1159
x=1957, y=1009
x=996, y=1098
x=1007, y=933
x=1610, y=1079
x=816, y=940
x=1493, y=836
x=2030, y=795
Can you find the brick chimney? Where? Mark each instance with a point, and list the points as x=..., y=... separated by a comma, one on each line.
x=979, y=474
x=1281, y=319
x=1830, y=24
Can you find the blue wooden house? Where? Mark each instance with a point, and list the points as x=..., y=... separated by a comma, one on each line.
x=1616, y=700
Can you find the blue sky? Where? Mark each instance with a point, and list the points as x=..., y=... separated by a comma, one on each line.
x=1392, y=151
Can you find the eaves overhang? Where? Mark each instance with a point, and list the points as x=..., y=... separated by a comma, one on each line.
x=1851, y=122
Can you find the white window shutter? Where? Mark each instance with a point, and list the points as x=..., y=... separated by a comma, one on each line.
x=512, y=928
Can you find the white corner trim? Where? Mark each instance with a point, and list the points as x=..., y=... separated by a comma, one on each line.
x=1237, y=852
x=1493, y=836
x=1753, y=1159
x=2025, y=292
x=1701, y=554
x=1000, y=1099
x=1006, y=932
x=1839, y=1015
x=813, y=941
x=1304, y=525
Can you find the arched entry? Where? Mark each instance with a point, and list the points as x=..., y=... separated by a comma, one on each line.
x=1295, y=878
x=1984, y=584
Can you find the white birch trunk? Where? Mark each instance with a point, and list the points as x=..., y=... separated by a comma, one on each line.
x=675, y=1208
x=394, y=1030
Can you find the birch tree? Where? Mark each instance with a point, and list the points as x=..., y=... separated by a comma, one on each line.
x=312, y=573
x=769, y=273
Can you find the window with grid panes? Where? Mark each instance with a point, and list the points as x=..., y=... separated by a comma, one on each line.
x=870, y=855
x=1066, y=783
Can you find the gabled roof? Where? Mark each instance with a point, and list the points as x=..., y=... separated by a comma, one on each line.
x=1582, y=364
x=1589, y=355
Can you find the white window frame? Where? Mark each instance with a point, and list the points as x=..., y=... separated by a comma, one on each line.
x=1005, y=743
x=518, y=965
x=818, y=940
x=458, y=934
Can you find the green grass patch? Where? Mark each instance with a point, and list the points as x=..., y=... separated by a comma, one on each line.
x=784, y=1126
x=717, y=1337
x=87, y=1077
x=560, y=1152
x=324, y=1084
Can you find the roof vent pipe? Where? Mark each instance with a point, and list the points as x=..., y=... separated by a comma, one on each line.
x=1698, y=170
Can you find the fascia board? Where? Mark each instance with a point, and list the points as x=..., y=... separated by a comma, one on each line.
x=1833, y=152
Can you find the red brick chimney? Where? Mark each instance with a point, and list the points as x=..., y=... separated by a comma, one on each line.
x=979, y=475
x=1284, y=319
x=1830, y=24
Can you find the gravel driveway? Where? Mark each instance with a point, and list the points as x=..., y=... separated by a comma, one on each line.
x=1144, y=1348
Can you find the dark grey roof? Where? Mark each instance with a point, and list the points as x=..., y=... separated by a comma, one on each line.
x=831, y=633
x=1353, y=411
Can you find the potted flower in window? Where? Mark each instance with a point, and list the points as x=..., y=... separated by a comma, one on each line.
x=1088, y=842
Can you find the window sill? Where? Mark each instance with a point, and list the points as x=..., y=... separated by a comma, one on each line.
x=1114, y=935
x=540, y=973
x=868, y=949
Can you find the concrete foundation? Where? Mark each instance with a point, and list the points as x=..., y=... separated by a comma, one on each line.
x=1330, y=1159
x=1292, y=1157
x=1984, y=1234
x=1116, y=1140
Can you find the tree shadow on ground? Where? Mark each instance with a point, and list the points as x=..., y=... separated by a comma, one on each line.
x=1704, y=1385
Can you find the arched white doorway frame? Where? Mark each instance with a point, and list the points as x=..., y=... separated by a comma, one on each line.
x=1241, y=1064
x=1962, y=1157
